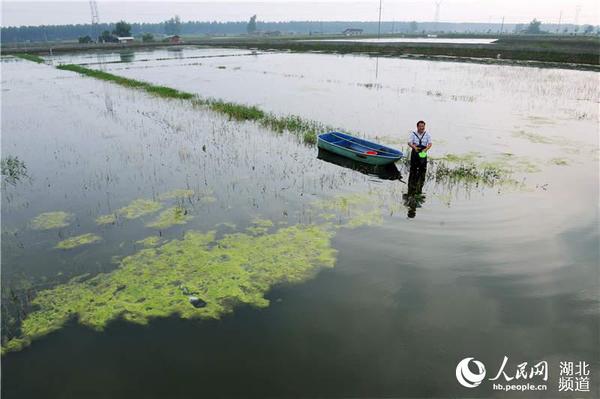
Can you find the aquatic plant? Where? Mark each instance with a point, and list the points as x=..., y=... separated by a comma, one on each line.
x=51, y=220
x=161, y=91
x=139, y=207
x=177, y=193
x=236, y=111
x=259, y=226
x=170, y=217
x=157, y=282
x=305, y=129
x=78, y=241
x=106, y=219
x=559, y=161
x=13, y=169
x=150, y=241
x=533, y=137
x=30, y=57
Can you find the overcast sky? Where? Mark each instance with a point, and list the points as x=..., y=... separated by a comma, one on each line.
x=16, y=12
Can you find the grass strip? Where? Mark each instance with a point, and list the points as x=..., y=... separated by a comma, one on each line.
x=306, y=130
x=30, y=57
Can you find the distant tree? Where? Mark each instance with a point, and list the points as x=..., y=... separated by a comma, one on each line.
x=147, y=37
x=122, y=28
x=251, y=28
x=413, y=26
x=85, y=39
x=588, y=30
x=173, y=26
x=534, y=27
x=106, y=37
x=566, y=30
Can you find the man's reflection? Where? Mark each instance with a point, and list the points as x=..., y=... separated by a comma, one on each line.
x=414, y=197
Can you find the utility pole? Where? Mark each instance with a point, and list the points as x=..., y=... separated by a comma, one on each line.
x=436, y=18
x=559, y=21
x=379, y=25
x=577, y=11
x=502, y=26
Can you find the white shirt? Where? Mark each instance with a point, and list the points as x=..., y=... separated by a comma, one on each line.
x=425, y=139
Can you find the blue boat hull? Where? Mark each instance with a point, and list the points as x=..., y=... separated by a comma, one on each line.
x=358, y=149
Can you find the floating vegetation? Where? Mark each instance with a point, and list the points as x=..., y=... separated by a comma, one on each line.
x=208, y=199
x=239, y=268
x=178, y=193
x=30, y=57
x=533, y=137
x=559, y=161
x=139, y=207
x=106, y=219
x=78, y=241
x=51, y=220
x=259, y=226
x=170, y=217
x=352, y=210
x=13, y=169
x=150, y=241
x=228, y=225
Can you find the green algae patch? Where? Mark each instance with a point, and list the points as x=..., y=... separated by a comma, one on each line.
x=170, y=217
x=260, y=226
x=77, y=241
x=208, y=199
x=352, y=210
x=559, y=161
x=533, y=137
x=148, y=242
x=177, y=194
x=155, y=282
x=106, y=219
x=51, y=220
x=138, y=208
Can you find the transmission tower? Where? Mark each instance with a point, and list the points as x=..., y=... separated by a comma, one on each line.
x=95, y=19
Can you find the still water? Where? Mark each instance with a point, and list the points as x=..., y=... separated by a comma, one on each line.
x=391, y=303
x=409, y=40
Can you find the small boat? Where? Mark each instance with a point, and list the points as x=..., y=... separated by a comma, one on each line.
x=384, y=172
x=358, y=149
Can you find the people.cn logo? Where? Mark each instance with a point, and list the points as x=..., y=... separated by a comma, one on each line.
x=466, y=377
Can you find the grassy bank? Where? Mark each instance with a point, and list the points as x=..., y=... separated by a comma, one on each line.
x=560, y=56
x=306, y=130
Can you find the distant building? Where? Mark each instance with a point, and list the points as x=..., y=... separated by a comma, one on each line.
x=125, y=39
x=271, y=33
x=352, y=32
x=175, y=39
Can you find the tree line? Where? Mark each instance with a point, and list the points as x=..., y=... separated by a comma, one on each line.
x=176, y=26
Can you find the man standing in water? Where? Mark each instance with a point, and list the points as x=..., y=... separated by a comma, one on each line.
x=420, y=142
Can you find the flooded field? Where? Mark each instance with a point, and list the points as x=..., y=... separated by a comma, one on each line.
x=154, y=248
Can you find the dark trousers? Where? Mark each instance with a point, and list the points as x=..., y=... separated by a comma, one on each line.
x=416, y=162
